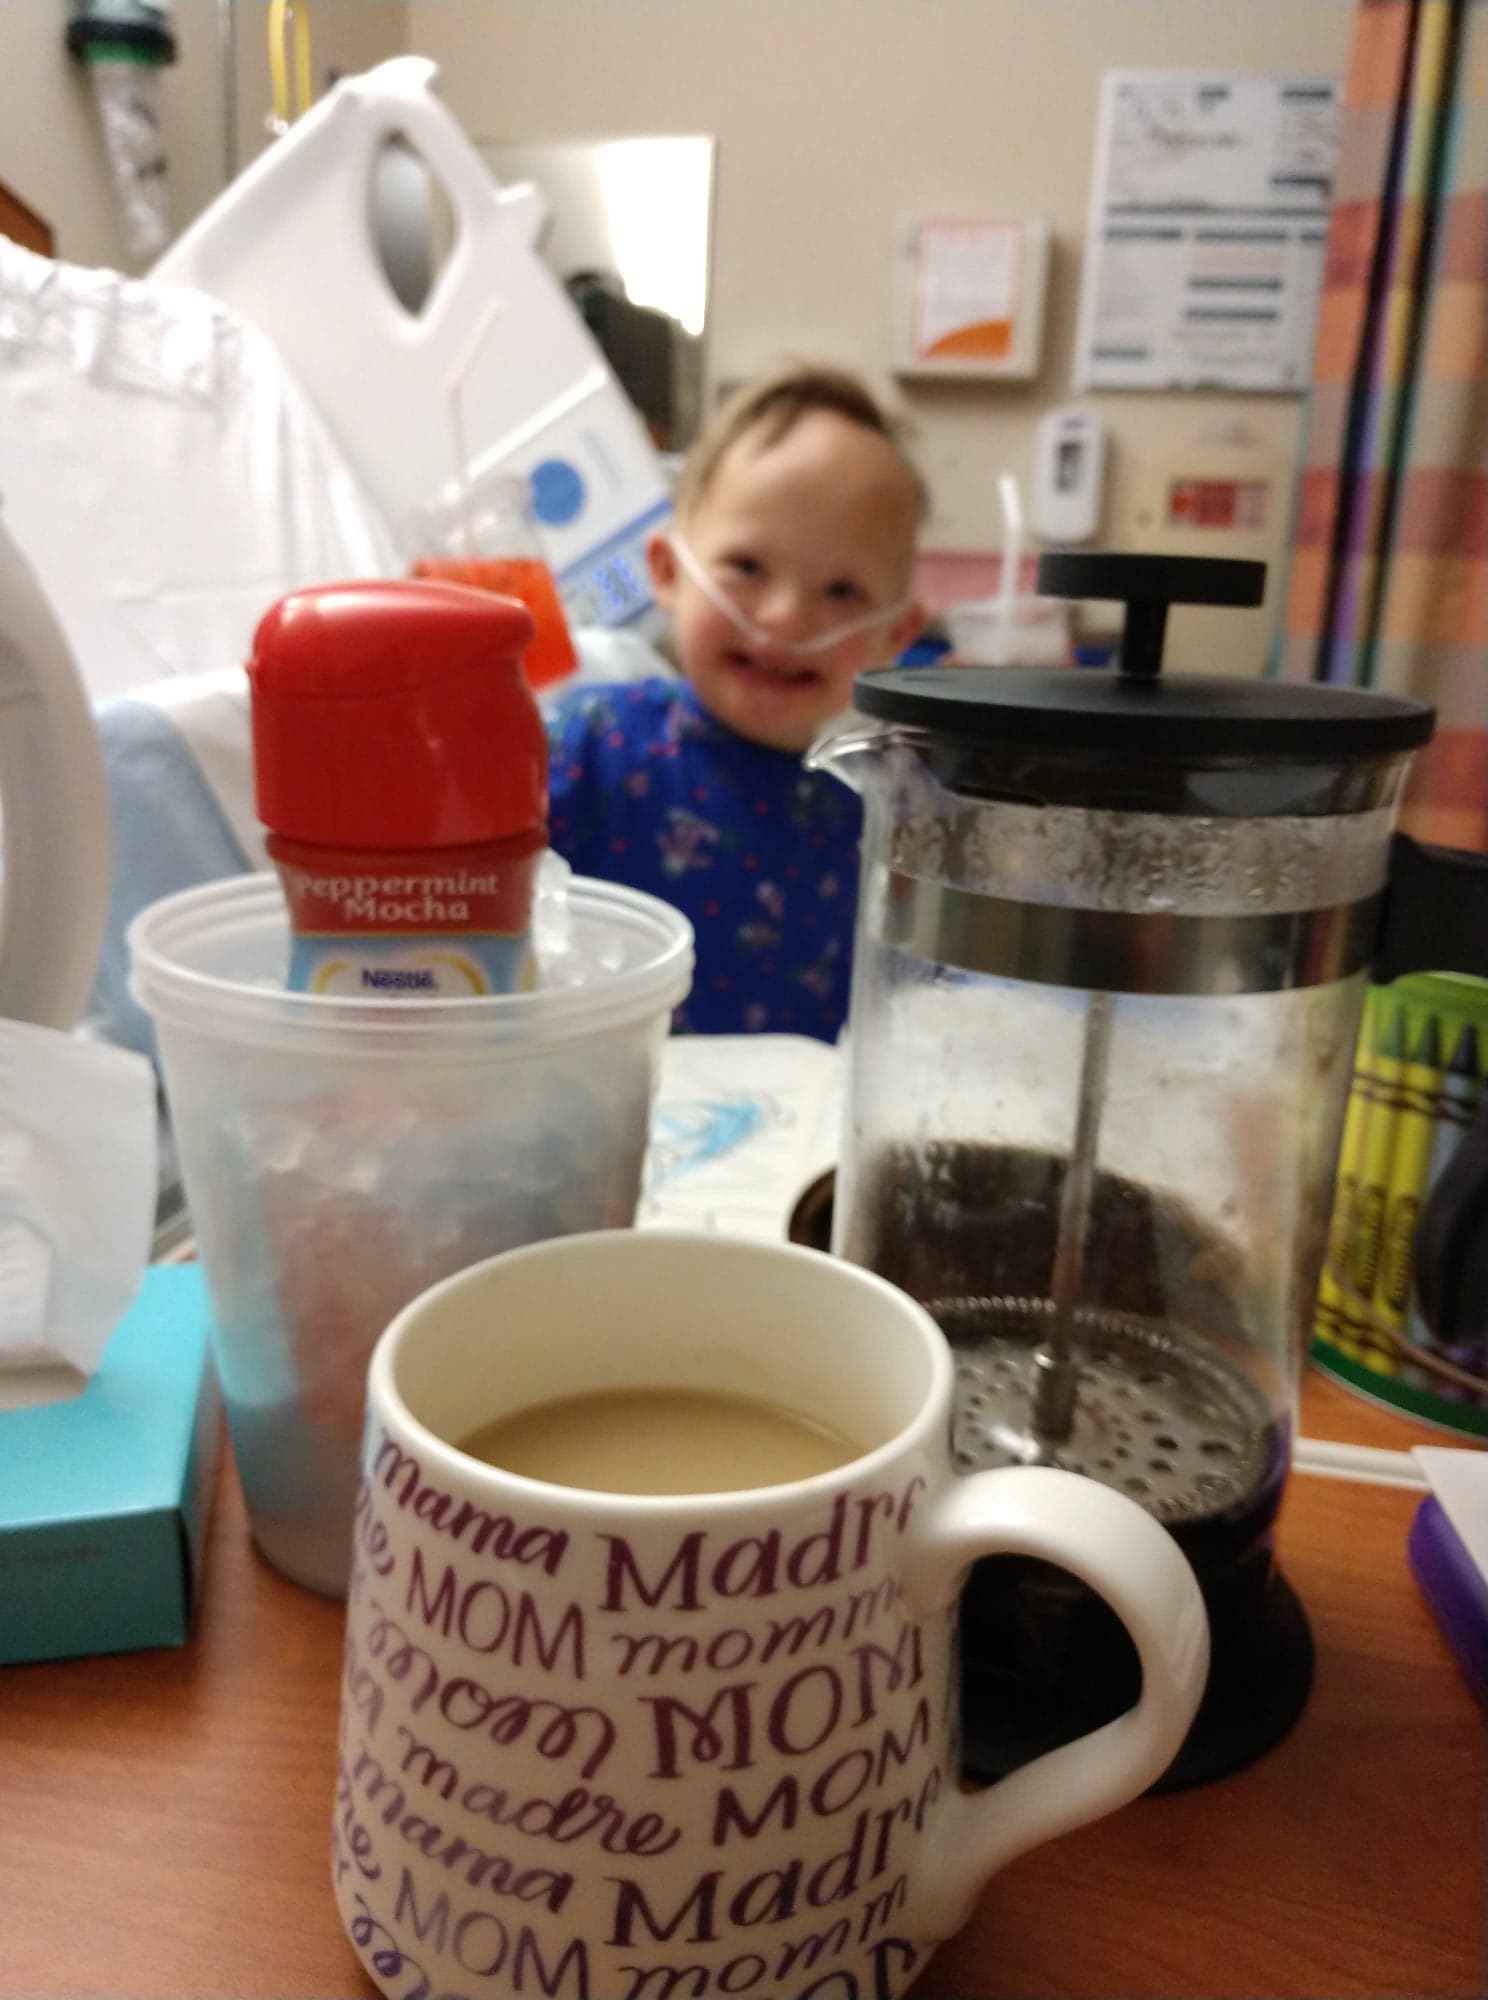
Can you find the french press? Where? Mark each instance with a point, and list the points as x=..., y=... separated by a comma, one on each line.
x=1114, y=933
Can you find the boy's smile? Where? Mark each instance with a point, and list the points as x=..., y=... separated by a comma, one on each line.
x=791, y=577
x=771, y=698
x=767, y=671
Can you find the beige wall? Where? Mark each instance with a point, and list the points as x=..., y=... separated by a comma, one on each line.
x=51, y=152
x=839, y=120
x=346, y=37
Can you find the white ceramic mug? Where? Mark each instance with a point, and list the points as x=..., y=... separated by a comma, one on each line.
x=608, y=1747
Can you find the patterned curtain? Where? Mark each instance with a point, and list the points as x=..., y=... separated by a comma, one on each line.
x=1388, y=583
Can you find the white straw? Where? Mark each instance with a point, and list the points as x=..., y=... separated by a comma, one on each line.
x=1366, y=1463
x=455, y=391
x=1012, y=547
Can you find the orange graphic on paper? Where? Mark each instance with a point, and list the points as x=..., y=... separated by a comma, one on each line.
x=982, y=340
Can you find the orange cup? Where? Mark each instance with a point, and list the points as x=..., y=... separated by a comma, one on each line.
x=551, y=656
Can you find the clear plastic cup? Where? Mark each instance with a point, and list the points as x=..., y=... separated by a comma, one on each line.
x=487, y=540
x=341, y=1155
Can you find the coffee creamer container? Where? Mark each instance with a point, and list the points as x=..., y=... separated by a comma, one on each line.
x=400, y=767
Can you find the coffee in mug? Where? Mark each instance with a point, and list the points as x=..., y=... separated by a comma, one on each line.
x=661, y=1440
x=604, y=1745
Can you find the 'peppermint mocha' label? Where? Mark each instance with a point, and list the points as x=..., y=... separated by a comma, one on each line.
x=432, y=899
x=451, y=930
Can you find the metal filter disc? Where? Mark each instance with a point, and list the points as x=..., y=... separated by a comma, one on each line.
x=1159, y=1416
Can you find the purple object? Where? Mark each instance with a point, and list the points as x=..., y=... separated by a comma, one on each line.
x=1454, y=1587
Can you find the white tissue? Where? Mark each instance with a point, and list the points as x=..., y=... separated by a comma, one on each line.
x=77, y=1200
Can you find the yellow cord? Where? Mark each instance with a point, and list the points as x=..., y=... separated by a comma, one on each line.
x=289, y=17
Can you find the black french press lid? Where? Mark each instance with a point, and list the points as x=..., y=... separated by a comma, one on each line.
x=1134, y=706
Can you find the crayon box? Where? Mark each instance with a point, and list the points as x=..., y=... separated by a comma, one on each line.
x=1418, y=1086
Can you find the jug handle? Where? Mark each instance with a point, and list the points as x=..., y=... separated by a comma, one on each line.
x=1435, y=915
x=403, y=103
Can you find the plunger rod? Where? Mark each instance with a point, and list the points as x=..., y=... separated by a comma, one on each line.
x=1056, y=1376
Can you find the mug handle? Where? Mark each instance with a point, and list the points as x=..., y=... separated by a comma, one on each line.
x=1109, y=1543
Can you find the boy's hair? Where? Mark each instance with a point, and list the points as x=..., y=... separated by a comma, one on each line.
x=773, y=405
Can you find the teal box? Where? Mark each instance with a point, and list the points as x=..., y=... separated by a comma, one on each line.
x=104, y=1498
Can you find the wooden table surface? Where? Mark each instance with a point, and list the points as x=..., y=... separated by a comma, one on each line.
x=164, y=1816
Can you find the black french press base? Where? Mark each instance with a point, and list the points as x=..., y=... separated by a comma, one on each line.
x=1045, y=1660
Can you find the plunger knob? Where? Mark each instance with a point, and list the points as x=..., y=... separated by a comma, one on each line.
x=1147, y=585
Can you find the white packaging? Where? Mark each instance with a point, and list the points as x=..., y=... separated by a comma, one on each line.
x=77, y=1202
x=163, y=474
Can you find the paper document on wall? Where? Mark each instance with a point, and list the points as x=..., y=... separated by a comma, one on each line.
x=1208, y=230
x=966, y=289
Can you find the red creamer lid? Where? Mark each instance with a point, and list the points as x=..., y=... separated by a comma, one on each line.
x=396, y=715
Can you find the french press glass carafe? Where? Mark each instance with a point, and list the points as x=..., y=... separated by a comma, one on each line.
x=1113, y=938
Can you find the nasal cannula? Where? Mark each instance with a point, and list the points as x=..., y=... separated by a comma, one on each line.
x=820, y=642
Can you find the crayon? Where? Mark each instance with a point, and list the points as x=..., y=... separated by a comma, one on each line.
x=1461, y=1089
x=1416, y=1117
x=1330, y=1325
x=1368, y=1232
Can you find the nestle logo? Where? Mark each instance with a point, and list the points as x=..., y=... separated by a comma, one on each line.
x=420, y=981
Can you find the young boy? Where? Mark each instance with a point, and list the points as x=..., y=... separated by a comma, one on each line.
x=787, y=573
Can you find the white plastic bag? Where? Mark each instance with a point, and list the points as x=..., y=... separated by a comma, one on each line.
x=163, y=473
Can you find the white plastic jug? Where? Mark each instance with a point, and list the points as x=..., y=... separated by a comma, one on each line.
x=290, y=244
